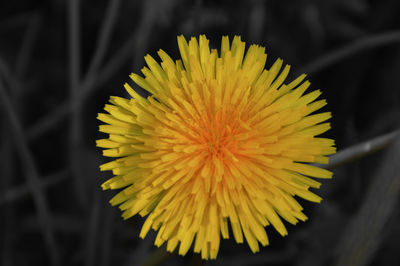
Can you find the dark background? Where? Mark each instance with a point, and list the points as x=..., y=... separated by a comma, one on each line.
x=52, y=210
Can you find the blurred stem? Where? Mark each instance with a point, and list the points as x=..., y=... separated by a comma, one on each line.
x=197, y=260
x=106, y=238
x=106, y=72
x=8, y=214
x=48, y=121
x=76, y=88
x=10, y=79
x=75, y=126
x=281, y=257
x=63, y=109
x=361, y=150
x=103, y=39
x=27, y=45
x=362, y=236
x=157, y=257
x=32, y=176
x=21, y=191
x=92, y=230
x=121, y=57
x=144, y=31
x=74, y=50
x=348, y=50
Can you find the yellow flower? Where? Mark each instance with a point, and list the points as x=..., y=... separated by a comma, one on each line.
x=220, y=139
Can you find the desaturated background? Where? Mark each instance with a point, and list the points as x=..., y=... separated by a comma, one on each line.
x=60, y=60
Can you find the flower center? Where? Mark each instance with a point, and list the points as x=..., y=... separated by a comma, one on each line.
x=219, y=137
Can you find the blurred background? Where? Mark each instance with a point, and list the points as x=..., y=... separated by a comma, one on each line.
x=60, y=60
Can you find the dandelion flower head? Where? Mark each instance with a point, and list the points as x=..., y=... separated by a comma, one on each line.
x=221, y=142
